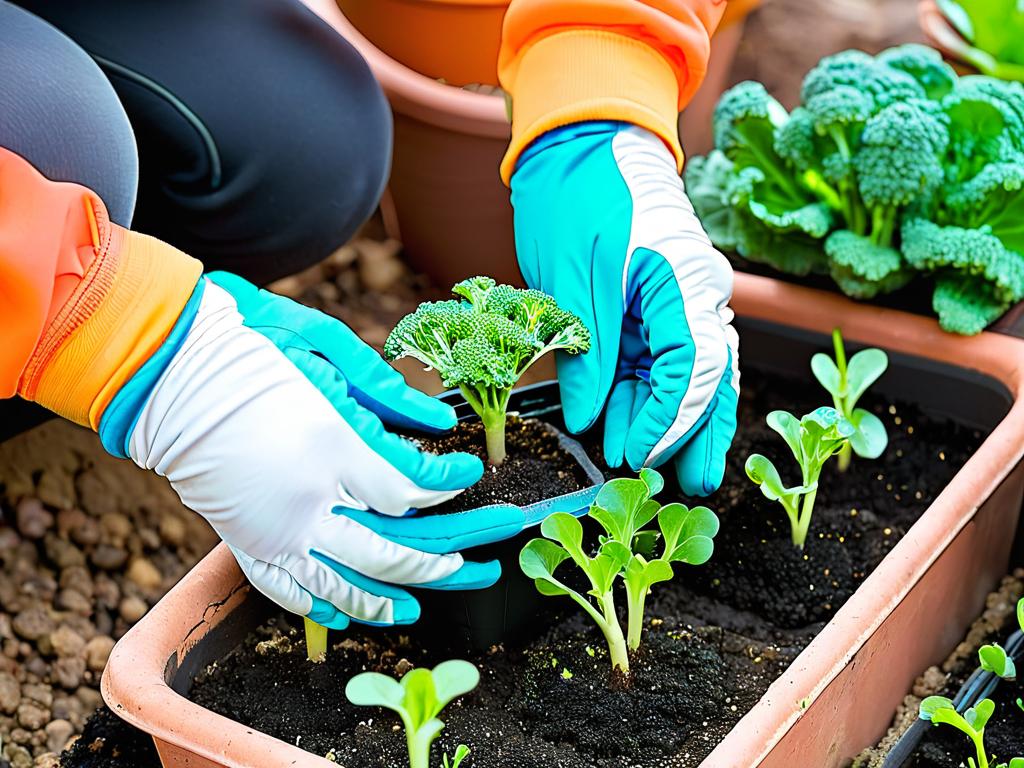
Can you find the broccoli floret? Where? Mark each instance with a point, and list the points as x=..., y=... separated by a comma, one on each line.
x=744, y=123
x=863, y=269
x=859, y=70
x=986, y=125
x=484, y=344
x=924, y=64
x=964, y=304
x=984, y=272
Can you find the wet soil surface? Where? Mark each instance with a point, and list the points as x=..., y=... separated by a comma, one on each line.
x=717, y=635
x=107, y=741
x=535, y=468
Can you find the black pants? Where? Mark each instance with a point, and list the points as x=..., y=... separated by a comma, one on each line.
x=263, y=141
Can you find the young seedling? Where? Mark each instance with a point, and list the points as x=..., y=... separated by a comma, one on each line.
x=485, y=342
x=418, y=698
x=994, y=659
x=940, y=710
x=846, y=383
x=622, y=508
x=316, y=640
x=461, y=753
x=814, y=439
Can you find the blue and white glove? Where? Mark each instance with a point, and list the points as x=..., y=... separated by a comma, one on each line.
x=267, y=420
x=603, y=224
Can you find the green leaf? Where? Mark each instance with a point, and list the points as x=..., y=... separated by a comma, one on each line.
x=994, y=659
x=979, y=715
x=453, y=679
x=372, y=689
x=870, y=439
x=653, y=479
x=538, y=560
x=761, y=470
x=952, y=717
x=1017, y=762
x=644, y=542
x=788, y=425
x=864, y=369
x=1020, y=613
x=611, y=558
x=933, y=704
x=619, y=504
x=688, y=533
x=641, y=574
x=461, y=753
x=420, y=701
x=567, y=531
x=825, y=371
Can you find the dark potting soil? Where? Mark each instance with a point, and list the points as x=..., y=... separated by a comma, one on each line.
x=535, y=468
x=718, y=635
x=548, y=704
x=107, y=741
x=946, y=747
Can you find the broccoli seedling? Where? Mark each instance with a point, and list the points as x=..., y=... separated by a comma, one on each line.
x=941, y=711
x=461, y=753
x=626, y=550
x=418, y=699
x=316, y=640
x=814, y=439
x=994, y=659
x=485, y=342
x=846, y=383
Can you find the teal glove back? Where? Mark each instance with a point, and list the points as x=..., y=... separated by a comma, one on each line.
x=603, y=224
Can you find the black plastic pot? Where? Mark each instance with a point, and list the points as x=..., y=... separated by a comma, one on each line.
x=486, y=617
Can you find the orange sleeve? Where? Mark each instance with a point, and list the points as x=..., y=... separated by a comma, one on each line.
x=638, y=61
x=83, y=302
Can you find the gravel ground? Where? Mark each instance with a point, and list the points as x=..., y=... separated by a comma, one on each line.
x=88, y=543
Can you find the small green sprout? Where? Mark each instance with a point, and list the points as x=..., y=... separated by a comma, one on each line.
x=622, y=507
x=484, y=342
x=814, y=439
x=994, y=659
x=461, y=753
x=316, y=640
x=940, y=710
x=846, y=383
x=418, y=698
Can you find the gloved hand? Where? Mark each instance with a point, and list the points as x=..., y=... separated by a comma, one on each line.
x=602, y=223
x=267, y=420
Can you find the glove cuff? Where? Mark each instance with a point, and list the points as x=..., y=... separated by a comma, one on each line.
x=128, y=300
x=623, y=80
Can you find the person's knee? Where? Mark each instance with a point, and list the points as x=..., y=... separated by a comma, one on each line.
x=62, y=115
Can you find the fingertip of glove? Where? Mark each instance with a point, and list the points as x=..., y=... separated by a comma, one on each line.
x=471, y=575
x=326, y=615
x=464, y=470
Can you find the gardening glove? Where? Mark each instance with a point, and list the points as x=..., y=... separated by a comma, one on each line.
x=602, y=223
x=268, y=420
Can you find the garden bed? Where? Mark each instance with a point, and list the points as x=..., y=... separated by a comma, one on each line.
x=721, y=634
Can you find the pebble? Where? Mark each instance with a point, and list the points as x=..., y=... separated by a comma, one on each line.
x=32, y=715
x=63, y=553
x=143, y=573
x=57, y=489
x=19, y=756
x=74, y=601
x=89, y=697
x=32, y=519
x=68, y=673
x=132, y=609
x=97, y=651
x=108, y=557
x=116, y=527
x=57, y=734
x=49, y=759
x=41, y=694
x=32, y=623
x=173, y=530
x=10, y=693
x=66, y=642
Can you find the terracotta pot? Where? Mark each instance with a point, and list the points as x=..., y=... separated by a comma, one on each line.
x=445, y=200
x=456, y=40
x=838, y=695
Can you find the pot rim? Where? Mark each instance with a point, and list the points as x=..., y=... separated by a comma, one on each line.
x=134, y=683
x=419, y=96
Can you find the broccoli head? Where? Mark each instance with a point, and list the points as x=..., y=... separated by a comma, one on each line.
x=485, y=343
x=862, y=268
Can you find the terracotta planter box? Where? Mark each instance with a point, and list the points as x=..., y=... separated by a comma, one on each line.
x=838, y=696
x=445, y=200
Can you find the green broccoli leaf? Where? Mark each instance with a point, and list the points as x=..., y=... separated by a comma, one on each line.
x=870, y=439
x=995, y=660
x=688, y=533
x=862, y=268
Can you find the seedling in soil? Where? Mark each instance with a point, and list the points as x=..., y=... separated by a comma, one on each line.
x=940, y=710
x=994, y=660
x=484, y=342
x=461, y=753
x=418, y=698
x=626, y=550
x=846, y=383
x=814, y=439
x=316, y=640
